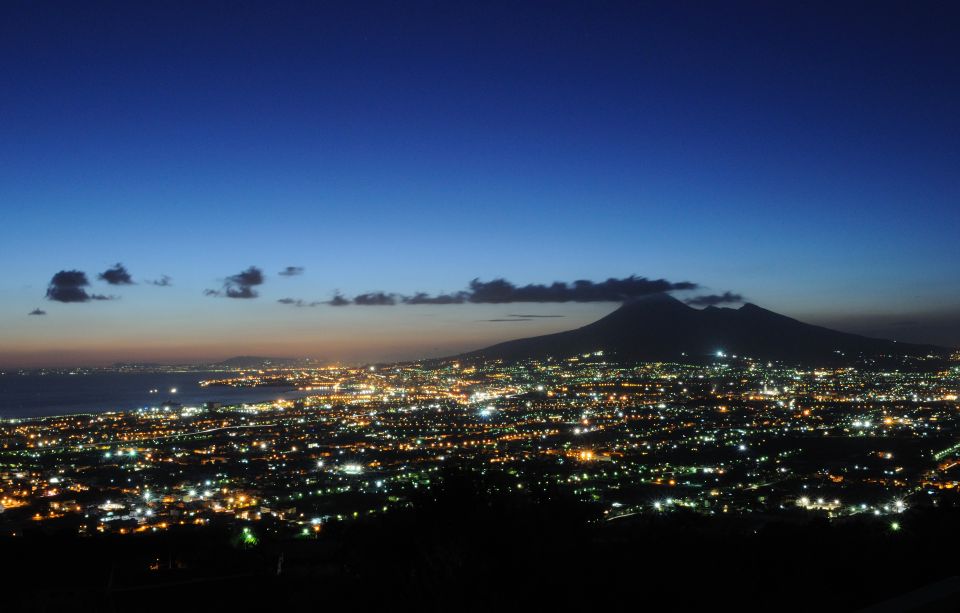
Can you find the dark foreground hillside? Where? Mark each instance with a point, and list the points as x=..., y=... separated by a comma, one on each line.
x=468, y=551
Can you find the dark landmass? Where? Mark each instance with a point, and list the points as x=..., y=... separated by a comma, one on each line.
x=137, y=365
x=661, y=328
x=252, y=361
x=468, y=550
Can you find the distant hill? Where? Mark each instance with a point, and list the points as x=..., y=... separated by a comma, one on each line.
x=661, y=328
x=252, y=361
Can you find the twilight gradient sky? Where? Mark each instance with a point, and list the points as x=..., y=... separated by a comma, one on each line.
x=805, y=155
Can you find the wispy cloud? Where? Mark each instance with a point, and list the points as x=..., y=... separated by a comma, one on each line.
x=299, y=303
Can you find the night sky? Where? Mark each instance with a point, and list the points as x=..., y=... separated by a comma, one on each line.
x=805, y=156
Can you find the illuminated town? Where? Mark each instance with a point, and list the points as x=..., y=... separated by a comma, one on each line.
x=730, y=436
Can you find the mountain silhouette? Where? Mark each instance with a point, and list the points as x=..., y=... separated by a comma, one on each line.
x=661, y=328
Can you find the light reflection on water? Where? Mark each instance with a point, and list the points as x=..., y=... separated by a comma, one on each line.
x=56, y=394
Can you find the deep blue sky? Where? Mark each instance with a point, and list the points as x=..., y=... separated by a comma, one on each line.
x=805, y=156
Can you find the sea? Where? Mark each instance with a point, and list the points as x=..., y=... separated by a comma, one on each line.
x=39, y=395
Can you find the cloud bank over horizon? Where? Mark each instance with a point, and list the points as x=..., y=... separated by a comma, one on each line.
x=501, y=291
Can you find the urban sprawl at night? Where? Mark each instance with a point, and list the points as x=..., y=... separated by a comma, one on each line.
x=731, y=436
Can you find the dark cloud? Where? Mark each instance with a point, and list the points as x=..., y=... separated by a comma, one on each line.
x=240, y=285
x=163, y=281
x=299, y=303
x=249, y=277
x=338, y=300
x=118, y=275
x=515, y=319
x=501, y=291
x=375, y=299
x=68, y=286
x=715, y=299
x=536, y=316
x=424, y=298
x=239, y=291
x=291, y=271
x=37, y=311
